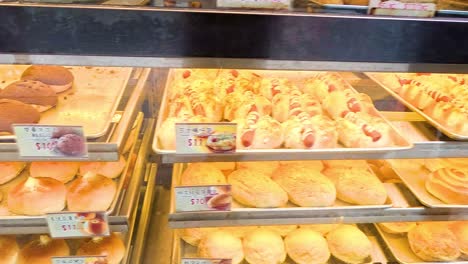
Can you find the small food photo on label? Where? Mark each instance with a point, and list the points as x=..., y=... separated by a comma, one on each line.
x=221, y=142
x=70, y=141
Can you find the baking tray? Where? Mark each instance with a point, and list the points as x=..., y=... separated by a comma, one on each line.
x=377, y=78
x=91, y=102
x=415, y=178
x=121, y=186
x=399, y=247
x=297, y=78
x=181, y=249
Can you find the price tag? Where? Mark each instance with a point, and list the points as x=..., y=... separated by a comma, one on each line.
x=203, y=198
x=268, y=4
x=50, y=141
x=205, y=138
x=409, y=8
x=80, y=260
x=78, y=224
x=205, y=261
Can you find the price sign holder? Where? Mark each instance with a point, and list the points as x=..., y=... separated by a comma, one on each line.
x=78, y=224
x=205, y=138
x=205, y=261
x=203, y=198
x=52, y=142
x=405, y=8
x=80, y=260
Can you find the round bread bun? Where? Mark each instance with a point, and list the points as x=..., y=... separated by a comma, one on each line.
x=449, y=185
x=41, y=250
x=282, y=230
x=202, y=174
x=9, y=170
x=239, y=231
x=349, y=244
x=433, y=242
x=266, y=167
x=15, y=112
x=8, y=250
x=37, y=196
x=92, y=192
x=57, y=77
x=460, y=230
x=111, y=247
x=111, y=169
x=222, y=245
x=34, y=93
x=456, y=163
x=321, y=228
x=397, y=227
x=264, y=246
x=61, y=171
x=306, y=246
x=194, y=235
x=305, y=186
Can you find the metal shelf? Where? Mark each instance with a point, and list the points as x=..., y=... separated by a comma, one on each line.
x=108, y=147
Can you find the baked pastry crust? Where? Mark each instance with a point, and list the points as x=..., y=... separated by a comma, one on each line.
x=433, y=242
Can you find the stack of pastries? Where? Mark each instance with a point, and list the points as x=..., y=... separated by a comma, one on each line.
x=273, y=244
x=443, y=97
x=303, y=183
x=274, y=112
x=51, y=186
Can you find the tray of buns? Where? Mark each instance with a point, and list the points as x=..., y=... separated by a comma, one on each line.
x=31, y=190
x=442, y=99
x=289, y=244
x=56, y=95
x=426, y=242
x=284, y=188
x=439, y=183
x=276, y=111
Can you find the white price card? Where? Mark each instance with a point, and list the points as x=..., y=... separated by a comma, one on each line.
x=203, y=198
x=205, y=261
x=50, y=141
x=80, y=260
x=78, y=224
x=205, y=138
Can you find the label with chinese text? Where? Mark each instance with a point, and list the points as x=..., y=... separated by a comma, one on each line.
x=78, y=224
x=80, y=260
x=205, y=261
x=50, y=141
x=203, y=198
x=205, y=138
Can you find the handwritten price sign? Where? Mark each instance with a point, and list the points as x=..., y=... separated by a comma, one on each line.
x=80, y=260
x=205, y=138
x=205, y=261
x=72, y=224
x=203, y=198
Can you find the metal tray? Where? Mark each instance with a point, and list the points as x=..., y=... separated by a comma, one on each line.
x=377, y=78
x=181, y=249
x=297, y=78
x=400, y=249
x=122, y=182
x=415, y=178
x=91, y=102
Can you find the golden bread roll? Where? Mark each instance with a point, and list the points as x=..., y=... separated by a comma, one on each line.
x=321, y=228
x=456, y=163
x=282, y=230
x=61, y=171
x=310, y=132
x=225, y=167
x=349, y=244
x=15, y=112
x=8, y=250
x=357, y=186
x=259, y=132
x=305, y=187
x=263, y=246
x=239, y=231
x=57, y=77
x=111, y=247
x=37, y=196
x=266, y=167
x=223, y=245
x=239, y=104
x=194, y=235
x=270, y=87
x=433, y=242
x=40, y=96
x=306, y=246
x=449, y=185
x=312, y=164
x=92, y=192
x=287, y=105
x=41, y=250
x=9, y=170
x=202, y=174
x=397, y=227
x=256, y=189
x=110, y=169
x=460, y=230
